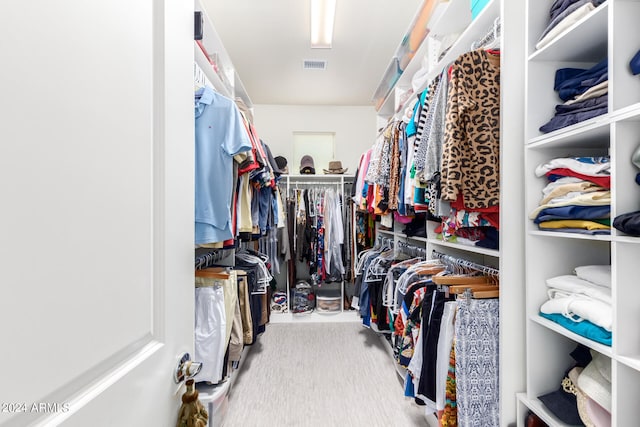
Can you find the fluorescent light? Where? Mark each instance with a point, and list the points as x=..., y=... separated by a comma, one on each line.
x=323, y=13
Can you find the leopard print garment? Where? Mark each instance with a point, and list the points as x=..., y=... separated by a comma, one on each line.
x=471, y=151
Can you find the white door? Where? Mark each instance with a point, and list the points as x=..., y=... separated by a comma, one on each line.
x=96, y=210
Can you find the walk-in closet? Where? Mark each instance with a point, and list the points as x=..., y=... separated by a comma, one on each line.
x=320, y=213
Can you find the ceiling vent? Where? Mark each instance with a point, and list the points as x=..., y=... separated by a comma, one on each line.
x=314, y=64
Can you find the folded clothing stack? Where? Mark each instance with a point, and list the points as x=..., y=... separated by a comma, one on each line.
x=581, y=302
x=562, y=15
x=584, y=92
x=577, y=198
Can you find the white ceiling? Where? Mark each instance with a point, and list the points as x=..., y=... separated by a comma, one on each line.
x=268, y=40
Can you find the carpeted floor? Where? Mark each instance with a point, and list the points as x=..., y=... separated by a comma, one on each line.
x=320, y=374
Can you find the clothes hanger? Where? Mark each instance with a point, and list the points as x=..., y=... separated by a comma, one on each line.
x=486, y=294
x=461, y=279
x=460, y=289
x=213, y=273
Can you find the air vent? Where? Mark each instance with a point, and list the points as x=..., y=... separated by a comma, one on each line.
x=313, y=64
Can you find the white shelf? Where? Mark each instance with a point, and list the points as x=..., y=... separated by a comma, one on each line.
x=626, y=239
x=383, y=231
x=631, y=113
x=632, y=362
x=600, y=348
x=315, y=177
x=467, y=248
x=207, y=68
x=557, y=234
x=230, y=85
x=540, y=410
x=590, y=130
x=414, y=238
x=586, y=40
x=453, y=17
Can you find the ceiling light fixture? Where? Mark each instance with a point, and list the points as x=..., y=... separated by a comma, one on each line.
x=323, y=13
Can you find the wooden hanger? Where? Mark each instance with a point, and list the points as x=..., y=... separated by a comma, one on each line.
x=429, y=269
x=459, y=279
x=213, y=273
x=486, y=294
x=459, y=289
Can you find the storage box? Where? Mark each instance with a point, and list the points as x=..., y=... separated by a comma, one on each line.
x=328, y=300
x=216, y=400
x=477, y=6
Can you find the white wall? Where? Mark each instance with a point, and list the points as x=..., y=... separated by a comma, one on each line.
x=354, y=127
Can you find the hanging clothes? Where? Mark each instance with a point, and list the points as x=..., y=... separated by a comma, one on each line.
x=477, y=362
x=220, y=134
x=471, y=152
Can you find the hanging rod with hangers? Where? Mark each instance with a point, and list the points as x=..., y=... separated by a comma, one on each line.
x=412, y=250
x=492, y=35
x=466, y=264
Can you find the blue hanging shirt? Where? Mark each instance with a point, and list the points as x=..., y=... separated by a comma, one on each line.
x=220, y=134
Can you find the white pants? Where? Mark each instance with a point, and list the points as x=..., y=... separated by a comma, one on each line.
x=210, y=332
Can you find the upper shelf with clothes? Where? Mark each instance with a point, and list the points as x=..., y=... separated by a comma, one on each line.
x=212, y=58
x=450, y=31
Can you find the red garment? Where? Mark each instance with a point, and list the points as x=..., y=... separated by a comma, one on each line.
x=602, y=181
x=459, y=205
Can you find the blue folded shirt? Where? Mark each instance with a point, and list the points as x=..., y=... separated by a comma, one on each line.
x=573, y=212
x=584, y=328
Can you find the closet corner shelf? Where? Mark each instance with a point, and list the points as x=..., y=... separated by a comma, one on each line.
x=600, y=348
x=631, y=113
x=626, y=239
x=540, y=410
x=583, y=134
x=474, y=249
x=584, y=41
x=602, y=238
x=632, y=362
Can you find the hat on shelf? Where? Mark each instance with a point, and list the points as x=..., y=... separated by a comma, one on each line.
x=306, y=165
x=335, y=167
x=563, y=402
x=595, y=380
x=282, y=164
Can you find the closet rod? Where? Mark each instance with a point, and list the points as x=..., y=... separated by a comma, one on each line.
x=467, y=264
x=204, y=260
x=492, y=35
x=314, y=183
x=412, y=249
x=385, y=240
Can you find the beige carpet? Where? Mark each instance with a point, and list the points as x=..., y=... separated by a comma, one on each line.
x=320, y=374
